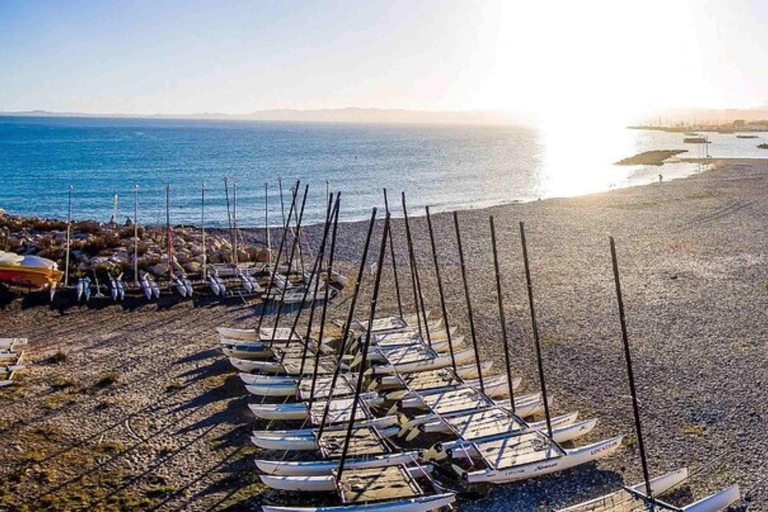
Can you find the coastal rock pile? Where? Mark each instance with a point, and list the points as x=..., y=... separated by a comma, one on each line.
x=110, y=248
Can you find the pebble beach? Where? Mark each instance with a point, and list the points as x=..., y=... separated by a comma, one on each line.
x=135, y=408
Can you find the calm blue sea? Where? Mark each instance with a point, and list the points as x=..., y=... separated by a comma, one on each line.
x=446, y=167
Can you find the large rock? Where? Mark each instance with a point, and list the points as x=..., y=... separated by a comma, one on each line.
x=193, y=267
x=159, y=269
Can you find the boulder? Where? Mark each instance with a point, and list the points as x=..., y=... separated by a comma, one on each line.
x=193, y=267
x=159, y=269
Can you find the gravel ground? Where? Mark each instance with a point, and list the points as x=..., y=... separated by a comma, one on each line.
x=142, y=412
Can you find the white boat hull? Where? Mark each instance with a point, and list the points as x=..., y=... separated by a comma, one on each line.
x=570, y=459
x=326, y=467
x=306, y=442
x=419, y=504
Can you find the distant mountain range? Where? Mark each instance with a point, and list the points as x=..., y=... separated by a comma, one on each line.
x=343, y=115
x=704, y=115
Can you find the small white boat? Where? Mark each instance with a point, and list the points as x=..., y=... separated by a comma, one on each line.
x=247, y=349
x=461, y=357
x=280, y=334
x=324, y=481
x=246, y=282
x=560, y=434
x=530, y=455
x=622, y=500
x=188, y=286
x=87, y=289
x=179, y=285
x=416, y=504
x=525, y=406
x=339, y=410
x=79, y=289
x=303, y=439
x=113, y=290
x=153, y=286
x=222, y=287
x=120, y=287
x=214, y=285
x=146, y=287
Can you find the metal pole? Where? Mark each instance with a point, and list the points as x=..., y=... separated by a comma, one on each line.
x=350, y=318
x=69, y=235
x=315, y=265
x=234, y=221
x=319, y=267
x=277, y=264
x=420, y=300
x=535, y=327
x=394, y=261
x=266, y=222
x=290, y=263
x=440, y=289
x=469, y=301
x=628, y=358
x=325, y=302
x=229, y=220
x=169, y=236
x=502, y=316
x=136, y=235
x=371, y=316
x=282, y=203
x=202, y=227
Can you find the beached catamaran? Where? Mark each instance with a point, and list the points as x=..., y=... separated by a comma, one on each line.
x=360, y=483
x=643, y=496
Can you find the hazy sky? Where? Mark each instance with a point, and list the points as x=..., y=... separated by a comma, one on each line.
x=549, y=57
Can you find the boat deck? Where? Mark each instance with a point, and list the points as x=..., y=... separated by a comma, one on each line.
x=385, y=324
x=327, y=365
x=281, y=334
x=433, y=379
x=366, y=485
x=517, y=450
x=364, y=441
x=463, y=399
x=407, y=354
x=485, y=423
x=339, y=411
x=344, y=386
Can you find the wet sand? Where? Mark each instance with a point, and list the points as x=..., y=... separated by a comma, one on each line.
x=171, y=431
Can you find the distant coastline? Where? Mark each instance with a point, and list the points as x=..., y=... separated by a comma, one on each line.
x=340, y=115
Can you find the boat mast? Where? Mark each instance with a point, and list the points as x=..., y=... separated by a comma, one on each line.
x=627, y=357
x=394, y=261
x=502, y=317
x=535, y=327
x=277, y=264
x=417, y=289
x=169, y=236
x=350, y=318
x=69, y=235
x=282, y=203
x=238, y=242
x=469, y=301
x=361, y=372
x=202, y=227
x=290, y=264
x=325, y=301
x=266, y=222
x=316, y=278
x=136, y=235
x=440, y=289
x=229, y=220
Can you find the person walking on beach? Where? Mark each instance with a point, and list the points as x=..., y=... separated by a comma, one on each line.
x=661, y=178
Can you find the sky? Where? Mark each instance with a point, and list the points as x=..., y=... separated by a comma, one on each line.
x=554, y=58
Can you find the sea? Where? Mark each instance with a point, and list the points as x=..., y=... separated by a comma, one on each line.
x=128, y=165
